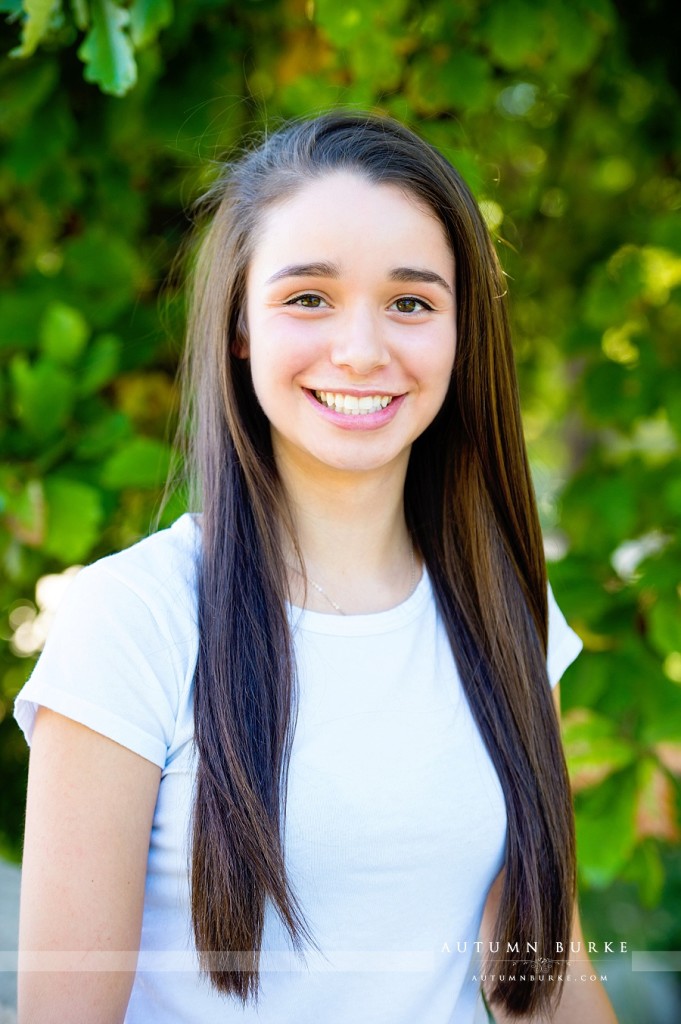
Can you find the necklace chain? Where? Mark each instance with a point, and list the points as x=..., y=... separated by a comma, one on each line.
x=337, y=607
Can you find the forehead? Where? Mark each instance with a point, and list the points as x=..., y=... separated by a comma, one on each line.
x=345, y=216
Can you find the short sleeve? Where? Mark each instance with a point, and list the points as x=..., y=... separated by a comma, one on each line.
x=564, y=645
x=109, y=665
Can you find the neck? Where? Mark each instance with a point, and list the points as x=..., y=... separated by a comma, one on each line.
x=352, y=536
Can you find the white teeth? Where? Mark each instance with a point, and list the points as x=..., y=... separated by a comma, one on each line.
x=351, y=405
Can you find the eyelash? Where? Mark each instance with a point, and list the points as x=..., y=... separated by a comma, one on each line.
x=425, y=306
x=304, y=295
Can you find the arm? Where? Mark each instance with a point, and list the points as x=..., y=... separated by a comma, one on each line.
x=580, y=1001
x=88, y=820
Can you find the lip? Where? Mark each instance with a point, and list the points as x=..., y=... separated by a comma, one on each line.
x=368, y=421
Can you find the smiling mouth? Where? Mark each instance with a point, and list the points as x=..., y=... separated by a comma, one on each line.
x=351, y=404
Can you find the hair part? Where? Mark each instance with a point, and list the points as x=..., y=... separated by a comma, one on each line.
x=470, y=508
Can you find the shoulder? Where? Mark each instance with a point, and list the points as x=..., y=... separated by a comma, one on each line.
x=121, y=651
x=147, y=589
x=160, y=570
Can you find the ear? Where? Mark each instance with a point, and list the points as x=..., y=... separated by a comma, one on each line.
x=240, y=346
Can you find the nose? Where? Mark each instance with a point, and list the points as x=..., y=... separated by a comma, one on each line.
x=359, y=343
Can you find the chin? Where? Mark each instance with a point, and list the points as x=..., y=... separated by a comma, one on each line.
x=358, y=462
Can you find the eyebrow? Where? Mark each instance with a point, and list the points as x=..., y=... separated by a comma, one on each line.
x=324, y=269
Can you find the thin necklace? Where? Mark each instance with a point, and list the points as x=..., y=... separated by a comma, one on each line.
x=337, y=607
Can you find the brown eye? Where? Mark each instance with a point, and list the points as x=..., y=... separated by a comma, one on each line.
x=309, y=301
x=410, y=304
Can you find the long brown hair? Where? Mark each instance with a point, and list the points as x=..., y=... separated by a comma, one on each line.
x=471, y=511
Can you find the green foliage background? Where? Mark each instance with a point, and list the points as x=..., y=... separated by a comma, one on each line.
x=564, y=117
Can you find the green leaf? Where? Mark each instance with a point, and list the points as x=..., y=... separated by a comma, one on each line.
x=593, y=749
x=143, y=462
x=514, y=32
x=107, y=49
x=603, y=11
x=346, y=24
x=18, y=315
x=64, y=333
x=603, y=303
x=600, y=512
x=605, y=828
x=43, y=396
x=36, y=25
x=11, y=7
x=101, y=271
x=24, y=92
x=74, y=515
x=375, y=62
x=32, y=164
x=664, y=624
x=101, y=364
x=459, y=80
x=81, y=14
x=576, y=37
x=465, y=81
x=147, y=18
x=617, y=394
x=673, y=403
x=647, y=872
x=103, y=436
x=672, y=492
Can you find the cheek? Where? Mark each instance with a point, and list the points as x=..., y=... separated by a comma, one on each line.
x=277, y=358
x=280, y=349
x=434, y=362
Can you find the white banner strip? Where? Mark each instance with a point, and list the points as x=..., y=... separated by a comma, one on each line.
x=114, y=961
x=659, y=960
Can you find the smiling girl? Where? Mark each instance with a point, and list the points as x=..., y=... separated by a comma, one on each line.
x=286, y=749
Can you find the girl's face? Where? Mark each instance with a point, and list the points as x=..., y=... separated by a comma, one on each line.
x=351, y=323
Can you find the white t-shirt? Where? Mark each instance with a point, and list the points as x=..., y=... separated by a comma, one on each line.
x=395, y=820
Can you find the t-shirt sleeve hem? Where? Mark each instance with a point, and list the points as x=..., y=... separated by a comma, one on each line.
x=96, y=718
x=563, y=657
x=564, y=644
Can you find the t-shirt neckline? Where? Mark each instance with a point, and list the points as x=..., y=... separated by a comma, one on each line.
x=368, y=624
x=332, y=624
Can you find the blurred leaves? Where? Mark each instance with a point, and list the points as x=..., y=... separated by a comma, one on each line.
x=513, y=33
x=593, y=748
x=64, y=333
x=606, y=832
x=74, y=517
x=147, y=18
x=141, y=462
x=114, y=31
x=43, y=396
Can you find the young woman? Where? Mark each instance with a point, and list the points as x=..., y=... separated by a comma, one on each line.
x=304, y=731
